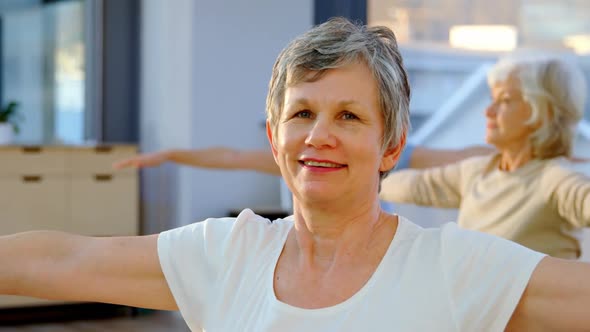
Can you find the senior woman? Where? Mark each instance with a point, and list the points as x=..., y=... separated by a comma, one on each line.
x=527, y=192
x=337, y=119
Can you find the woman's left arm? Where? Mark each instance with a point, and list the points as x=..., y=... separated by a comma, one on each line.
x=557, y=298
x=571, y=194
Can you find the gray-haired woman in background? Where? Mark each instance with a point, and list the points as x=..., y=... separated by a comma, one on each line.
x=528, y=192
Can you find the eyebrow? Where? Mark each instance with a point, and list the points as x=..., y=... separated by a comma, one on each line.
x=305, y=101
x=507, y=92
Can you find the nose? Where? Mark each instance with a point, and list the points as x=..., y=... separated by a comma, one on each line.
x=321, y=133
x=491, y=111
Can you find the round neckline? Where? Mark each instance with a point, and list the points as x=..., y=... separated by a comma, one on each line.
x=524, y=168
x=356, y=297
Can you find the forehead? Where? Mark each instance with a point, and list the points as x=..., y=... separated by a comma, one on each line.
x=351, y=83
x=509, y=85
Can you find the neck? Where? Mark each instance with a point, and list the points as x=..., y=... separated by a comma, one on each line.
x=322, y=236
x=515, y=157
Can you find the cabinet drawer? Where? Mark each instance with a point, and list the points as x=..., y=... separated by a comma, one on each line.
x=32, y=203
x=104, y=205
x=32, y=160
x=100, y=159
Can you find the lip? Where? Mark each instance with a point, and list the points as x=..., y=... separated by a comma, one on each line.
x=491, y=126
x=320, y=161
x=321, y=169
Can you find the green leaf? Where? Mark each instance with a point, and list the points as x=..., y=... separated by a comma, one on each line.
x=9, y=112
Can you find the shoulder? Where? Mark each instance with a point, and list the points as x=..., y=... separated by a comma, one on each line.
x=456, y=250
x=558, y=169
x=449, y=240
x=252, y=228
x=217, y=237
x=246, y=223
x=455, y=245
x=479, y=163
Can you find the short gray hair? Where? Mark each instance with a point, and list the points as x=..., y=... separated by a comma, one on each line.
x=334, y=44
x=555, y=89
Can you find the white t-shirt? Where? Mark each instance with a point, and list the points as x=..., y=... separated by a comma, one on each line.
x=220, y=272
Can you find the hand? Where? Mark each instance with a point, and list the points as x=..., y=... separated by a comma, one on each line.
x=579, y=160
x=143, y=160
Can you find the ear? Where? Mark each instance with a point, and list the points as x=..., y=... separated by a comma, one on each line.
x=392, y=154
x=271, y=140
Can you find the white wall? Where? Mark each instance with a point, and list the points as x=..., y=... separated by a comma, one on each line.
x=582, y=147
x=463, y=128
x=205, y=69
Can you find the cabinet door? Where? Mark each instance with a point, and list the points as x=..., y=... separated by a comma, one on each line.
x=104, y=204
x=32, y=202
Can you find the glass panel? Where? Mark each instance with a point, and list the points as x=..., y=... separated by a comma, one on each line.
x=530, y=23
x=68, y=79
x=22, y=68
x=43, y=69
x=477, y=31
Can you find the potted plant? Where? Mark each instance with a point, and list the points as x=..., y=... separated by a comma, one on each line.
x=9, y=116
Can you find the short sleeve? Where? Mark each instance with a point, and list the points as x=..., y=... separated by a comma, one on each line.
x=486, y=277
x=190, y=258
x=196, y=258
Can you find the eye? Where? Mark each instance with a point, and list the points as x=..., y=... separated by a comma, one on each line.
x=501, y=101
x=303, y=114
x=349, y=116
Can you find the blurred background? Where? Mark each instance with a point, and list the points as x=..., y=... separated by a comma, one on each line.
x=160, y=74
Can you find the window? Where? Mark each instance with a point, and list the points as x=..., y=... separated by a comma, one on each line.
x=43, y=68
x=437, y=35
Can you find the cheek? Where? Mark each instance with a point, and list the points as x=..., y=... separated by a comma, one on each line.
x=510, y=118
x=289, y=136
x=370, y=150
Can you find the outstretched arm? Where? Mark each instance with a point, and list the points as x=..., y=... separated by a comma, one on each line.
x=216, y=157
x=423, y=157
x=61, y=266
x=579, y=159
x=557, y=298
x=569, y=194
x=436, y=186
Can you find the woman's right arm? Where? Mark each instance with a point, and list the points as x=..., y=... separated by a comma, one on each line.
x=216, y=157
x=437, y=187
x=61, y=266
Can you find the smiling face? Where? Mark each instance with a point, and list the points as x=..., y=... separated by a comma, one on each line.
x=508, y=116
x=328, y=139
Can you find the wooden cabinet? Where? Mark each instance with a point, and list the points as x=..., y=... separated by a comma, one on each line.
x=66, y=188
x=102, y=204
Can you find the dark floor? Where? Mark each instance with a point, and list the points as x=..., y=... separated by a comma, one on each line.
x=72, y=319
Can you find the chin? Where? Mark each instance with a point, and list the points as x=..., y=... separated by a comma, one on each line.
x=495, y=143
x=318, y=195
x=491, y=139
